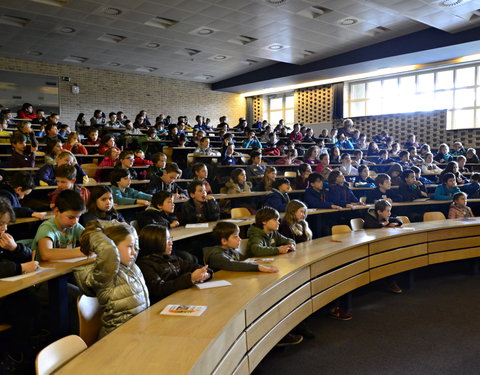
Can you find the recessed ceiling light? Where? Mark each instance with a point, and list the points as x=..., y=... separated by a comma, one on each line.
x=220, y=57
x=314, y=12
x=112, y=11
x=349, y=21
x=161, y=23
x=113, y=64
x=152, y=45
x=66, y=30
x=275, y=47
x=276, y=2
x=450, y=3
x=14, y=21
x=177, y=73
x=204, y=76
x=146, y=69
x=55, y=3
x=111, y=38
x=75, y=59
x=203, y=31
x=35, y=53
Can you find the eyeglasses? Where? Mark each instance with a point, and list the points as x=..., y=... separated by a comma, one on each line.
x=170, y=239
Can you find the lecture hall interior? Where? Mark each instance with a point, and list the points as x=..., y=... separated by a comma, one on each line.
x=398, y=66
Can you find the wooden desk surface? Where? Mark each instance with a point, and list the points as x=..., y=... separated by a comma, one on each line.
x=194, y=345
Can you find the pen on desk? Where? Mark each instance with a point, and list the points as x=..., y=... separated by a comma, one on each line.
x=33, y=254
x=335, y=241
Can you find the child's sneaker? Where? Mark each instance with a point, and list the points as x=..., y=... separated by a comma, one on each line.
x=290, y=339
x=340, y=314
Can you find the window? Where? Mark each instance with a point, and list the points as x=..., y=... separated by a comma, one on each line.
x=456, y=89
x=281, y=107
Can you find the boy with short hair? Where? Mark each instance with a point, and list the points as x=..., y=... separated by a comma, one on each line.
x=405, y=160
x=57, y=238
x=204, y=148
x=123, y=193
x=278, y=198
x=126, y=159
x=264, y=238
x=66, y=176
x=225, y=255
x=21, y=157
x=25, y=128
x=159, y=162
x=200, y=208
x=447, y=189
x=383, y=190
x=419, y=177
x=18, y=186
x=51, y=133
x=166, y=181
x=315, y=196
x=257, y=168
x=159, y=212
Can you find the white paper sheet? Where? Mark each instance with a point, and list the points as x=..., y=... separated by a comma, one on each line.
x=213, y=284
x=23, y=276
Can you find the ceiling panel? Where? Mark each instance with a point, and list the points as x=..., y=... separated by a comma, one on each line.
x=288, y=24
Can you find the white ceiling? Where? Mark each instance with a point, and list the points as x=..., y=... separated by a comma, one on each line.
x=242, y=32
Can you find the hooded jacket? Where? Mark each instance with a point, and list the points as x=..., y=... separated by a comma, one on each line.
x=262, y=244
x=121, y=290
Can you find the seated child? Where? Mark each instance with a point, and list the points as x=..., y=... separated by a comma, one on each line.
x=200, y=173
x=108, y=141
x=229, y=155
x=92, y=140
x=419, y=177
x=15, y=189
x=405, y=159
x=73, y=145
x=263, y=236
x=461, y=161
x=164, y=272
x=266, y=183
x=125, y=161
x=394, y=172
x=159, y=212
x=379, y=216
x=315, y=195
x=100, y=206
x=257, y=167
x=294, y=225
x=159, y=161
x=459, y=208
x=473, y=188
x=166, y=181
x=66, y=177
x=347, y=168
x=338, y=192
x=225, y=255
x=278, y=198
x=447, y=189
x=324, y=167
x=123, y=193
x=301, y=181
x=238, y=182
x=58, y=237
x=383, y=190
x=411, y=189
x=140, y=160
x=443, y=155
x=45, y=176
x=25, y=128
x=111, y=157
x=200, y=208
x=21, y=157
x=363, y=180
x=113, y=278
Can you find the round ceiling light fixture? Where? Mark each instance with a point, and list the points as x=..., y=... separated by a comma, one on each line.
x=220, y=57
x=152, y=45
x=205, y=32
x=112, y=11
x=177, y=73
x=450, y=3
x=66, y=30
x=275, y=47
x=348, y=21
x=277, y=2
x=113, y=64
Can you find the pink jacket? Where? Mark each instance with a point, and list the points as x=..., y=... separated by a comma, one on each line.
x=456, y=212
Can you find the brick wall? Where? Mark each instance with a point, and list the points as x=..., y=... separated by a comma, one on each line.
x=114, y=91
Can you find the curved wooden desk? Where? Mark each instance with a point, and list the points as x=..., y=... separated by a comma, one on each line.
x=244, y=321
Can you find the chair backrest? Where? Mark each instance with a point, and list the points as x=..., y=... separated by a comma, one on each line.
x=405, y=219
x=89, y=318
x=434, y=215
x=240, y=213
x=357, y=223
x=243, y=246
x=168, y=151
x=90, y=169
x=338, y=229
x=58, y=353
x=290, y=174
